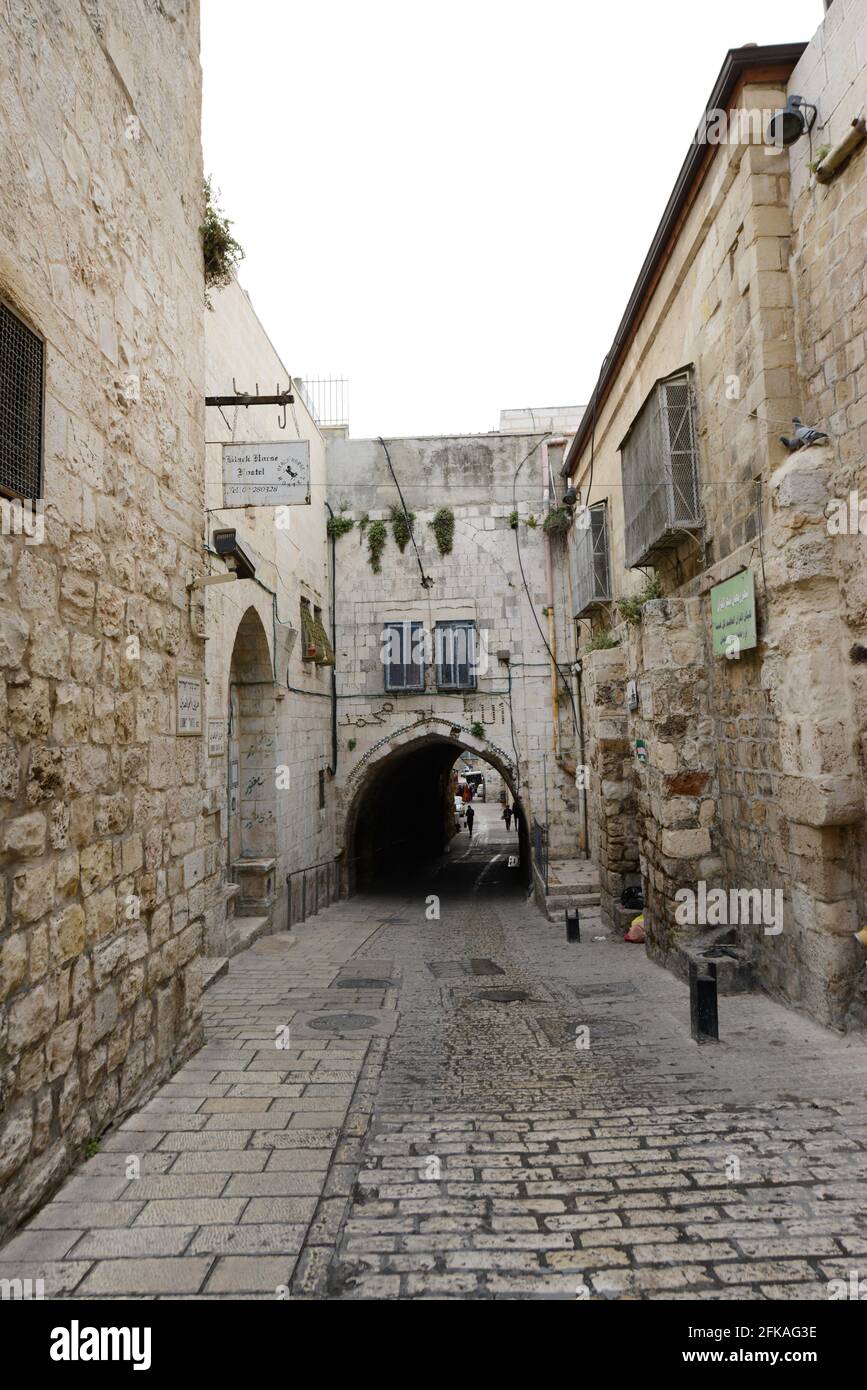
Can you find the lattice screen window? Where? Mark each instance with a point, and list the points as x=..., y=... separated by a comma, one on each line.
x=660, y=471
x=22, y=360
x=591, y=571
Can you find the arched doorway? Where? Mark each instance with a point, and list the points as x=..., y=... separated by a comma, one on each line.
x=251, y=770
x=398, y=816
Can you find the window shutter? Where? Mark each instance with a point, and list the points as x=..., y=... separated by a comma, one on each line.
x=22, y=356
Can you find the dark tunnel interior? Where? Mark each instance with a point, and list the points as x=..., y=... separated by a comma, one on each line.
x=402, y=816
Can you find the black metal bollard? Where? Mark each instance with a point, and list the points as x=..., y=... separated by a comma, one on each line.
x=573, y=925
x=703, y=1014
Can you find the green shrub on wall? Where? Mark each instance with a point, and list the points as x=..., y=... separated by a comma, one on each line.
x=444, y=530
x=376, y=538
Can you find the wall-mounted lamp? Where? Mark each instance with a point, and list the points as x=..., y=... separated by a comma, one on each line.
x=240, y=561
x=788, y=125
x=570, y=497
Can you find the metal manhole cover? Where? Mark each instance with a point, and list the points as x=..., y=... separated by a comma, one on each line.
x=342, y=1023
x=504, y=996
x=363, y=984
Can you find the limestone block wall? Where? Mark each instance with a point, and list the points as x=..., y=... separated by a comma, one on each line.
x=474, y=476
x=612, y=776
x=677, y=786
x=266, y=780
x=755, y=774
x=100, y=915
x=830, y=295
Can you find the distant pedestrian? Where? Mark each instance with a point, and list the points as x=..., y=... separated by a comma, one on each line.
x=507, y=816
x=471, y=815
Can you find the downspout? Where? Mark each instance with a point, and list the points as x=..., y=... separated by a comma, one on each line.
x=333, y=768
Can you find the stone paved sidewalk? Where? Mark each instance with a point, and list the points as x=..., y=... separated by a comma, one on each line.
x=234, y=1155
x=418, y=1138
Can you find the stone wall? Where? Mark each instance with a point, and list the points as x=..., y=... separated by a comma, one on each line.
x=282, y=701
x=480, y=580
x=100, y=926
x=752, y=779
x=611, y=778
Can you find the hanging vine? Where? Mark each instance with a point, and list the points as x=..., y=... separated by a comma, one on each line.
x=444, y=530
x=401, y=527
x=220, y=251
x=376, y=538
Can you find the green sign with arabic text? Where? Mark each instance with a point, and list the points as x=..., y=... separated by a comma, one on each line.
x=733, y=615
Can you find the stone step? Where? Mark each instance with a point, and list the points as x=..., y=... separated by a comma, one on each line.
x=212, y=968
x=563, y=900
x=243, y=931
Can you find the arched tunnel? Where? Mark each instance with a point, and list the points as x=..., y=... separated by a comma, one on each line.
x=402, y=815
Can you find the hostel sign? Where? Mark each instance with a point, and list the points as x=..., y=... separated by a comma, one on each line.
x=733, y=614
x=266, y=475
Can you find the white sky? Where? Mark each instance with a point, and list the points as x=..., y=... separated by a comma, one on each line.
x=449, y=203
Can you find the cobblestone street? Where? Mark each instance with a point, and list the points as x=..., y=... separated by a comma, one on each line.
x=413, y=1136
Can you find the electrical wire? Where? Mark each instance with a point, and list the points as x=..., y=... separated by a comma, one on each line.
x=425, y=580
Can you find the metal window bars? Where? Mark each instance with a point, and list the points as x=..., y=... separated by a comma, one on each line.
x=660, y=472
x=591, y=570
x=22, y=362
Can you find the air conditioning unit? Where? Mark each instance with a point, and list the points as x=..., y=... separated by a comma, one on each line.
x=591, y=569
x=659, y=466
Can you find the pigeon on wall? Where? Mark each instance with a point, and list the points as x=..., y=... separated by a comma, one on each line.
x=804, y=436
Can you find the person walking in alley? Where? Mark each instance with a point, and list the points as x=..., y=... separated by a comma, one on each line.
x=471, y=815
x=507, y=815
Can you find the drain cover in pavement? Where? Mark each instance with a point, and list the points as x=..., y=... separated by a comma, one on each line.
x=363, y=984
x=504, y=996
x=341, y=1023
x=485, y=966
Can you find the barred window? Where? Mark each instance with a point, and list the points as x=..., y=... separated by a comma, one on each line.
x=591, y=576
x=660, y=472
x=22, y=361
x=403, y=656
x=456, y=660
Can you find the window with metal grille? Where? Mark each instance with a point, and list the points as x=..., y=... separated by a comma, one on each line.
x=591, y=581
x=22, y=361
x=455, y=653
x=403, y=655
x=659, y=459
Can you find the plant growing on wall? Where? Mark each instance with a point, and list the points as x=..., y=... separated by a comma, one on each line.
x=477, y=730
x=557, y=521
x=601, y=642
x=338, y=526
x=444, y=530
x=376, y=538
x=220, y=251
x=513, y=520
x=401, y=527
x=631, y=607
x=532, y=522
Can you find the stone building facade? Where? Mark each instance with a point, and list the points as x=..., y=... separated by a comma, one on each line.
x=392, y=743
x=101, y=298
x=268, y=703
x=741, y=771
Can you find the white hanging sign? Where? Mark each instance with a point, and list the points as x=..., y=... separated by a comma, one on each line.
x=266, y=475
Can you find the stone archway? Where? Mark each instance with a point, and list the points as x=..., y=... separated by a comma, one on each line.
x=396, y=793
x=251, y=767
